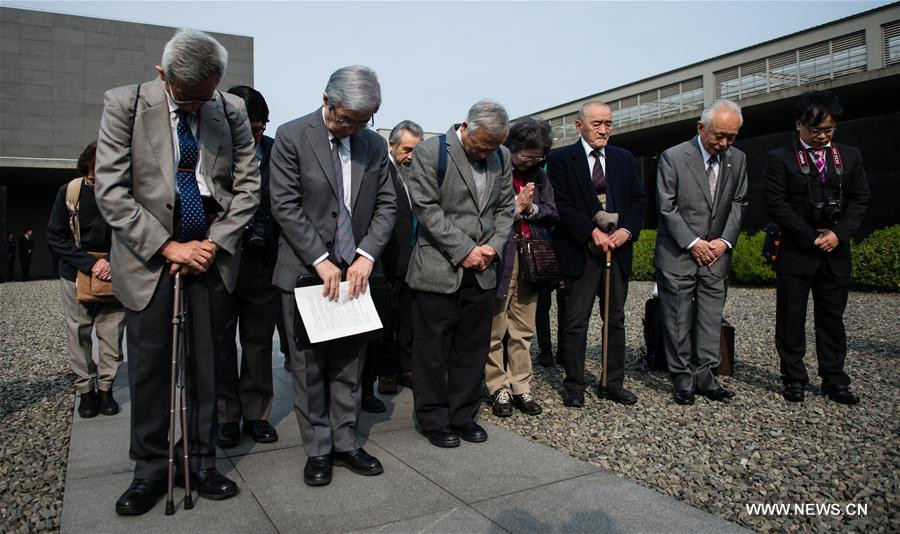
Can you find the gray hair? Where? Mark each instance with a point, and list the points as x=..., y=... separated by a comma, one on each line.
x=586, y=105
x=408, y=126
x=355, y=88
x=489, y=115
x=722, y=103
x=192, y=57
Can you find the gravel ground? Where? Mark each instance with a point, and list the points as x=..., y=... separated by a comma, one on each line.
x=757, y=448
x=36, y=400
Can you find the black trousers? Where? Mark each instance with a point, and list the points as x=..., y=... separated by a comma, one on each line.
x=254, y=306
x=581, y=294
x=829, y=293
x=542, y=320
x=25, y=265
x=451, y=338
x=149, y=363
x=392, y=354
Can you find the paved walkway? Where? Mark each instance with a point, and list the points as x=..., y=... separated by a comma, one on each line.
x=508, y=484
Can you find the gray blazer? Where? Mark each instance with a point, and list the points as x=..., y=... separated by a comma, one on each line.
x=686, y=210
x=450, y=222
x=304, y=196
x=135, y=186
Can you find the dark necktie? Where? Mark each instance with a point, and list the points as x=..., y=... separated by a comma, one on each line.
x=711, y=175
x=598, y=177
x=819, y=161
x=192, y=216
x=346, y=246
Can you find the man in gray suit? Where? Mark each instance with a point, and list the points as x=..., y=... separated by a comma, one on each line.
x=176, y=181
x=333, y=198
x=463, y=200
x=701, y=192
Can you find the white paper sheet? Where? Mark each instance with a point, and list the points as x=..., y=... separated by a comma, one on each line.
x=326, y=320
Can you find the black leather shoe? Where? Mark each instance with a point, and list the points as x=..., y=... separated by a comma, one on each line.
x=358, y=461
x=793, y=391
x=573, y=399
x=229, y=435
x=209, y=484
x=88, y=405
x=526, y=404
x=546, y=359
x=502, y=403
x=840, y=394
x=442, y=437
x=372, y=404
x=718, y=394
x=317, y=471
x=140, y=497
x=108, y=405
x=387, y=385
x=619, y=395
x=471, y=432
x=683, y=397
x=261, y=431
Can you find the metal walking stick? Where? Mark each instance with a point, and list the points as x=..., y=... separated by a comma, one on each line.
x=179, y=353
x=606, y=316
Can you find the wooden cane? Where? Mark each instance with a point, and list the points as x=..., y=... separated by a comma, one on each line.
x=606, y=316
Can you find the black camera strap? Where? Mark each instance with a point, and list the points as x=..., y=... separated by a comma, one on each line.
x=803, y=159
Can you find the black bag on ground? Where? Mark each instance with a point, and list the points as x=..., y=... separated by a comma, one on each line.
x=654, y=351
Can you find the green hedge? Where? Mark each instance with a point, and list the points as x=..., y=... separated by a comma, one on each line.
x=876, y=260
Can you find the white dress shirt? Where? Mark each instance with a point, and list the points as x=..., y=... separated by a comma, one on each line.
x=193, y=122
x=706, y=156
x=591, y=159
x=344, y=154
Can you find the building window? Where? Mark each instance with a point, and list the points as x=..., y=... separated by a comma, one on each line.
x=891, y=33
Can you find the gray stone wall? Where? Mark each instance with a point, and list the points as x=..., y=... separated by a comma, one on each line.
x=55, y=68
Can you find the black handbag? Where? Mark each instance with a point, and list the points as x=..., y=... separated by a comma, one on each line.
x=537, y=260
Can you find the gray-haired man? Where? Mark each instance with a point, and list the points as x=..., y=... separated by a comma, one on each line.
x=464, y=219
x=333, y=199
x=701, y=194
x=176, y=181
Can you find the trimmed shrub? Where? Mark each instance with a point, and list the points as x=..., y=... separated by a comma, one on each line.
x=748, y=265
x=642, y=265
x=876, y=261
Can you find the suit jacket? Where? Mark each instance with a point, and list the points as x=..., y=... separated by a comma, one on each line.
x=399, y=247
x=26, y=246
x=577, y=203
x=304, y=196
x=687, y=210
x=788, y=203
x=135, y=184
x=451, y=223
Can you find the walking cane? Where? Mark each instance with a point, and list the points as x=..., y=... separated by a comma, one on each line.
x=179, y=364
x=606, y=316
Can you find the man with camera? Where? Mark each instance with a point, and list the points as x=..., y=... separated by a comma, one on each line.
x=816, y=192
x=247, y=393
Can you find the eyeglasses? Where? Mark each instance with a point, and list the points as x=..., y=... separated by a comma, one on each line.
x=179, y=102
x=532, y=159
x=815, y=132
x=370, y=122
x=258, y=129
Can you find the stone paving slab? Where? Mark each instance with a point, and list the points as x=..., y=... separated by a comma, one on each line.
x=508, y=484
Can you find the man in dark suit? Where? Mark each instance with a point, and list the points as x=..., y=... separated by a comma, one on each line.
x=26, y=247
x=254, y=305
x=464, y=220
x=176, y=182
x=701, y=194
x=390, y=358
x=816, y=191
x=333, y=198
x=588, y=177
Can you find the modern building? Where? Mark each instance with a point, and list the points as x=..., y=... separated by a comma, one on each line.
x=54, y=70
x=857, y=57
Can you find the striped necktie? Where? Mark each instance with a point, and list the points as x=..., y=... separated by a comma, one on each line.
x=346, y=246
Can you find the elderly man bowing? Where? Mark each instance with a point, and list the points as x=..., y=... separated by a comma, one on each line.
x=176, y=181
x=333, y=198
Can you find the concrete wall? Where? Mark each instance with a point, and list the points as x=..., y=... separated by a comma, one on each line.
x=54, y=69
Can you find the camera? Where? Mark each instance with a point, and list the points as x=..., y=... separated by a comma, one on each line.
x=255, y=235
x=828, y=209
